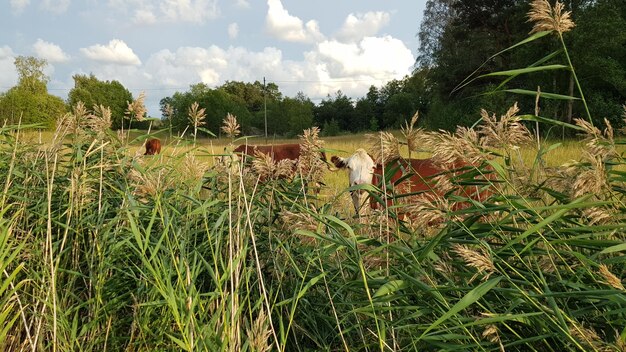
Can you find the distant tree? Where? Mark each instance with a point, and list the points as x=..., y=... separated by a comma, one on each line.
x=298, y=112
x=92, y=91
x=365, y=109
x=437, y=15
x=330, y=128
x=217, y=103
x=339, y=108
x=29, y=100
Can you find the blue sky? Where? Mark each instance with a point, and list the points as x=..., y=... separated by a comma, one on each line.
x=163, y=46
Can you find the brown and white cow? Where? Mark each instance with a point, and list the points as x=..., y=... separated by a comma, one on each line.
x=418, y=174
x=153, y=146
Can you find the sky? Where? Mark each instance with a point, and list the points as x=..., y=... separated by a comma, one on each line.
x=160, y=47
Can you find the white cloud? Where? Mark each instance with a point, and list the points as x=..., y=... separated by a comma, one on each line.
x=8, y=74
x=49, y=51
x=383, y=58
x=151, y=12
x=196, y=11
x=116, y=52
x=144, y=15
x=353, y=68
x=359, y=26
x=19, y=5
x=233, y=30
x=55, y=6
x=284, y=26
x=242, y=4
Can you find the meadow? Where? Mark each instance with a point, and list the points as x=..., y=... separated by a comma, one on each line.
x=102, y=248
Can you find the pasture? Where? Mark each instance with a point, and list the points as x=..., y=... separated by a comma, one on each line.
x=103, y=248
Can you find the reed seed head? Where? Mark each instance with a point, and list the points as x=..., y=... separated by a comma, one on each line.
x=465, y=145
x=193, y=170
x=230, y=126
x=508, y=132
x=196, y=114
x=549, y=18
x=310, y=164
x=479, y=260
x=584, y=335
x=136, y=109
x=100, y=120
x=259, y=333
x=610, y=278
x=265, y=167
x=385, y=147
x=412, y=134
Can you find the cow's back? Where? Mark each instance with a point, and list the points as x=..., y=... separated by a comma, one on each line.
x=276, y=152
x=422, y=179
x=153, y=146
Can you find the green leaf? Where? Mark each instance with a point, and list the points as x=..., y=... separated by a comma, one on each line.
x=390, y=287
x=467, y=300
x=547, y=120
x=532, y=38
x=577, y=203
x=525, y=70
x=612, y=249
x=541, y=94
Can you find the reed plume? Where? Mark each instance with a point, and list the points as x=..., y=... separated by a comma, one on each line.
x=230, y=126
x=549, y=18
x=137, y=108
x=480, y=260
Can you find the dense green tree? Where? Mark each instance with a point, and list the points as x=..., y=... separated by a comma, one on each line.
x=216, y=102
x=92, y=91
x=599, y=56
x=341, y=109
x=298, y=112
x=459, y=36
x=254, y=95
x=29, y=101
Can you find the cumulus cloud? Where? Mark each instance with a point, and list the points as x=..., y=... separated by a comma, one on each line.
x=197, y=11
x=233, y=30
x=330, y=66
x=116, y=52
x=55, y=6
x=284, y=26
x=359, y=26
x=145, y=15
x=17, y=6
x=150, y=12
x=49, y=51
x=383, y=57
x=8, y=74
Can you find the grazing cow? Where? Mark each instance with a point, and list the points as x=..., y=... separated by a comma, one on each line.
x=153, y=146
x=418, y=174
x=277, y=152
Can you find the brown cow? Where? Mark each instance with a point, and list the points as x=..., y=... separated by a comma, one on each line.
x=277, y=152
x=363, y=170
x=153, y=146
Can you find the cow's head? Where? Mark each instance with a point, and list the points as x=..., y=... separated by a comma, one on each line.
x=360, y=166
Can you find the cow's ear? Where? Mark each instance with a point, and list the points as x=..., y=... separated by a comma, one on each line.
x=337, y=161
